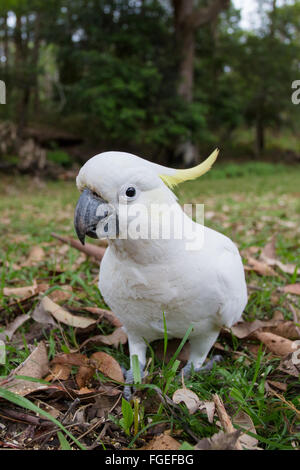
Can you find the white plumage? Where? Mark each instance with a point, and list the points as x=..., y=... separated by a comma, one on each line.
x=142, y=278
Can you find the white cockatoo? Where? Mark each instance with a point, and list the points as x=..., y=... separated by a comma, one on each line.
x=190, y=274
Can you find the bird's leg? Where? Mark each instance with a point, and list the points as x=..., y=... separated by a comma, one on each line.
x=200, y=347
x=138, y=348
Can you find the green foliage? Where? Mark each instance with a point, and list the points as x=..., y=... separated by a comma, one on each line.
x=128, y=416
x=108, y=71
x=60, y=157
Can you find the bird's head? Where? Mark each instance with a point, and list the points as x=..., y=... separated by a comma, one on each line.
x=115, y=184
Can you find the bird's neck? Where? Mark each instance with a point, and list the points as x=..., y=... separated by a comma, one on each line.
x=173, y=240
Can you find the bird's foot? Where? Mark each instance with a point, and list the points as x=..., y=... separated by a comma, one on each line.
x=129, y=380
x=187, y=370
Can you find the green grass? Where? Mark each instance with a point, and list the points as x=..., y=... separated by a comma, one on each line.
x=249, y=203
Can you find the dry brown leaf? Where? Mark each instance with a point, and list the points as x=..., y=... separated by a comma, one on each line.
x=188, y=397
x=47, y=307
x=106, y=314
x=26, y=291
x=162, y=442
x=287, y=329
x=225, y=419
x=13, y=326
x=244, y=421
x=84, y=375
x=279, y=385
x=62, y=294
x=292, y=289
x=220, y=441
x=115, y=339
x=289, y=366
x=72, y=359
x=35, y=366
x=259, y=267
x=243, y=329
x=268, y=256
x=36, y=255
x=209, y=407
x=59, y=372
x=286, y=268
x=269, y=250
x=276, y=344
x=107, y=365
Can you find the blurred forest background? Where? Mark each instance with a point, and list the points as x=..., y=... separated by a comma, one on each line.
x=167, y=79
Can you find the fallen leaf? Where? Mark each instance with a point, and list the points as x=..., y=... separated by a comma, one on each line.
x=26, y=291
x=287, y=329
x=13, y=326
x=292, y=289
x=62, y=294
x=36, y=255
x=279, y=385
x=269, y=250
x=276, y=344
x=259, y=267
x=47, y=307
x=225, y=422
x=59, y=372
x=244, y=421
x=244, y=329
x=107, y=365
x=220, y=441
x=84, y=375
x=289, y=366
x=72, y=359
x=162, y=442
x=268, y=256
x=209, y=407
x=35, y=366
x=115, y=339
x=106, y=314
x=188, y=397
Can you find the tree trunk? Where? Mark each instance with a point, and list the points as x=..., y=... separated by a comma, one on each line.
x=185, y=36
x=187, y=19
x=260, y=136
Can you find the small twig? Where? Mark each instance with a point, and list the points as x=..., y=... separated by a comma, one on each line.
x=92, y=428
x=20, y=417
x=70, y=409
x=251, y=287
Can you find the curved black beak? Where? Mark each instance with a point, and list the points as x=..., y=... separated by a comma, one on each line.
x=90, y=209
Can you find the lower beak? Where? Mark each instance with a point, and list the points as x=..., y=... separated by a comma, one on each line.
x=90, y=210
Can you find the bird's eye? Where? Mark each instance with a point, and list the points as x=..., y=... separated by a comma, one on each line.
x=130, y=192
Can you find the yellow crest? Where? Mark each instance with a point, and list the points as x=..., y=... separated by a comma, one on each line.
x=180, y=176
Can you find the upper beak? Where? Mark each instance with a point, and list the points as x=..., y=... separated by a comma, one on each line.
x=90, y=209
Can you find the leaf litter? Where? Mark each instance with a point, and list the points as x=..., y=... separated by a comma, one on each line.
x=75, y=374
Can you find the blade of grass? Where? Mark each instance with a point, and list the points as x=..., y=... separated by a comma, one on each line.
x=63, y=441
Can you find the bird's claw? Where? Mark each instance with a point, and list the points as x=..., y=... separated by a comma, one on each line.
x=129, y=379
x=208, y=366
